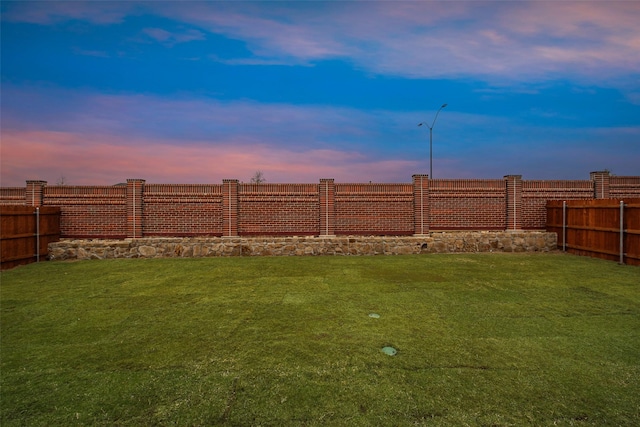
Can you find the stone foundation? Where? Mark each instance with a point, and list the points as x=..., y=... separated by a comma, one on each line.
x=436, y=242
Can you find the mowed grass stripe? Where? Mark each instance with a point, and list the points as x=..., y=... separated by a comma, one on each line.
x=481, y=339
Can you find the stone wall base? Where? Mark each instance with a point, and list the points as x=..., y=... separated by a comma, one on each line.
x=436, y=242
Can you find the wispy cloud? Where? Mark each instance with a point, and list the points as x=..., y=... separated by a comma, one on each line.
x=527, y=81
x=280, y=30
x=496, y=41
x=526, y=40
x=171, y=38
x=112, y=137
x=190, y=119
x=53, y=12
x=101, y=139
x=96, y=53
x=92, y=159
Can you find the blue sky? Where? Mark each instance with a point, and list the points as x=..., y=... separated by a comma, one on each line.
x=195, y=92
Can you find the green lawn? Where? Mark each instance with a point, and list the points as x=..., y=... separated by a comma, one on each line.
x=481, y=339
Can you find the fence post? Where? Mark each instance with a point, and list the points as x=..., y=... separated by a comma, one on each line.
x=33, y=193
x=421, y=204
x=37, y=234
x=135, y=189
x=564, y=226
x=601, y=184
x=514, y=202
x=327, y=198
x=621, y=232
x=230, y=207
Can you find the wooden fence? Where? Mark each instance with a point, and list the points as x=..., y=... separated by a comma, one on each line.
x=25, y=233
x=608, y=229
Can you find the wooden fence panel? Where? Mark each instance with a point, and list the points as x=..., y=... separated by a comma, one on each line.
x=25, y=233
x=632, y=235
x=593, y=228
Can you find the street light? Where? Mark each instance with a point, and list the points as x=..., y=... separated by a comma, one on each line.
x=431, y=140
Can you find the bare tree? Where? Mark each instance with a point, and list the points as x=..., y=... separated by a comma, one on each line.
x=258, y=178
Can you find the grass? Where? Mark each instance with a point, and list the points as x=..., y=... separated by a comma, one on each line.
x=481, y=339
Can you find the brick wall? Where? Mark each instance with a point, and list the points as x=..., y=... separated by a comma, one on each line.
x=95, y=212
x=137, y=209
x=624, y=187
x=374, y=209
x=467, y=204
x=278, y=209
x=182, y=210
x=13, y=196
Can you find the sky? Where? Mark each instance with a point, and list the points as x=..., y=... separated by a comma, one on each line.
x=97, y=92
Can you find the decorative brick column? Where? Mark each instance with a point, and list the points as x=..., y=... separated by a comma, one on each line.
x=327, y=200
x=514, y=202
x=230, y=207
x=421, y=204
x=601, y=184
x=33, y=194
x=135, y=190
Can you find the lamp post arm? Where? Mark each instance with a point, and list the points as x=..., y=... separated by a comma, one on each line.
x=436, y=117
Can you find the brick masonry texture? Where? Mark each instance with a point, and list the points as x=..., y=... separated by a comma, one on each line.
x=276, y=209
x=378, y=209
x=181, y=210
x=437, y=242
x=468, y=204
x=89, y=211
x=136, y=209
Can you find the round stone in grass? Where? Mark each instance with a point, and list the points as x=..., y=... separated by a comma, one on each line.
x=374, y=315
x=390, y=351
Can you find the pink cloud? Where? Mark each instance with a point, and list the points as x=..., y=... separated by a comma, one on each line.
x=106, y=160
x=49, y=12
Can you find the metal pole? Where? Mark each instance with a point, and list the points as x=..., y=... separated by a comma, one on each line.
x=431, y=139
x=431, y=152
x=621, y=232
